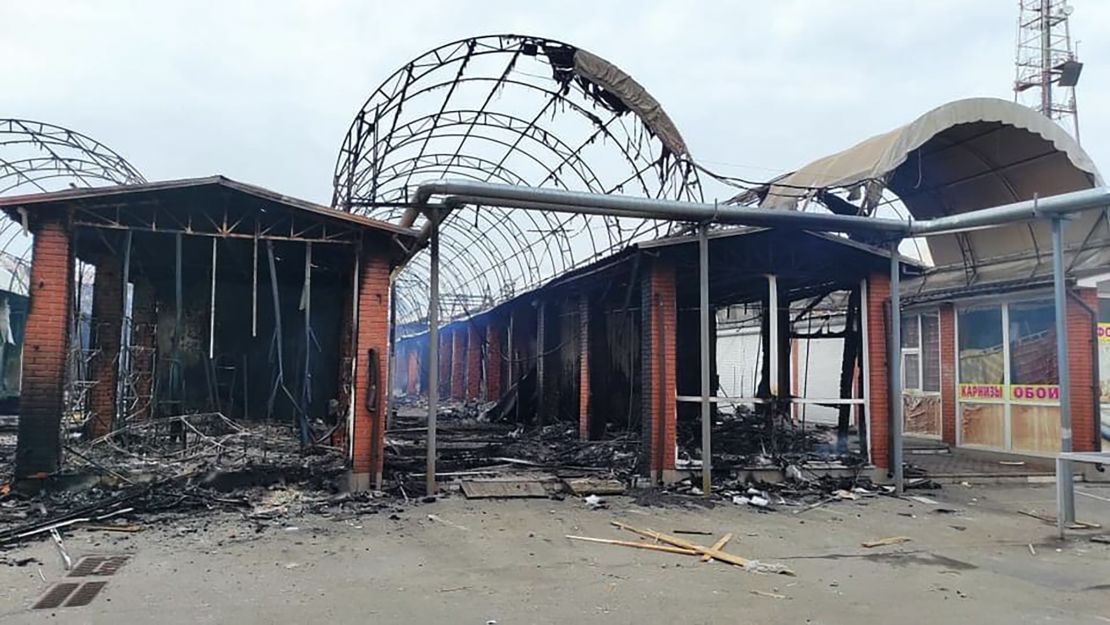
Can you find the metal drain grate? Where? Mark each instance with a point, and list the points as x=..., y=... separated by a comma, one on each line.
x=85, y=594
x=56, y=595
x=98, y=565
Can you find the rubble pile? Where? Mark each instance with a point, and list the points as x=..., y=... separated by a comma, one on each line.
x=169, y=468
x=746, y=439
x=467, y=440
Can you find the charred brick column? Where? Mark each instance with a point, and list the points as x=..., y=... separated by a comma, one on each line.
x=344, y=410
x=1083, y=360
x=412, y=368
x=371, y=372
x=583, y=368
x=659, y=326
x=38, y=450
x=473, y=362
x=493, y=361
x=948, y=373
x=878, y=409
x=144, y=317
x=458, y=363
x=107, y=317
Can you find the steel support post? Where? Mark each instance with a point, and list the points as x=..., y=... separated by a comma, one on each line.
x=1065, y=488
x=433, y=356
x=703, y=314
x=896, y=368
x=773, y=338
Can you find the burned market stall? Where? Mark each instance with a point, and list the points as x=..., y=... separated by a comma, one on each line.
x=217, y=309
x=606, y=357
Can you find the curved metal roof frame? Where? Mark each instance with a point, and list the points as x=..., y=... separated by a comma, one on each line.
x=964, y=155
x=520, y=110
x=40, y=157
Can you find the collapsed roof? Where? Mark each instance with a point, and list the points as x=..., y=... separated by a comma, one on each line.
x=518, y=110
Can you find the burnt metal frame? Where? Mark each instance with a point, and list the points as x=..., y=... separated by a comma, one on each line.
x=490, y=253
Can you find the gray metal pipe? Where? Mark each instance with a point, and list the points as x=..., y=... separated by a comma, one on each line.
x=647, y=208
x=1065, y=488
x=1051, y=206
x=473, y=192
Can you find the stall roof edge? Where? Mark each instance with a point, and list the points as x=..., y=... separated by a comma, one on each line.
x=69, y=195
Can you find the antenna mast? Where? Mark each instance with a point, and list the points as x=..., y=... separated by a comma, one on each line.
x=1046, y=67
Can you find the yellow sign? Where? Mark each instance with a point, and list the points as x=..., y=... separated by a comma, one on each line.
x=1035, y=393
x=1104, y=332
x=974, y=392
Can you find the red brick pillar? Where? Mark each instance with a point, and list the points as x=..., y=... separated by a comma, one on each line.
x=1083, y=360
x=473, y=362
x=948, y=373
x=412, y=367
x=107, y=317
x=458, y=363
x=493, y=361
x=45, y=340
x=658, y=319
x=373, y=334
x=583, y=368
x=878, y=409
x=144, y=318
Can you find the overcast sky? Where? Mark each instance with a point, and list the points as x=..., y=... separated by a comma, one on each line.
x=264, y=91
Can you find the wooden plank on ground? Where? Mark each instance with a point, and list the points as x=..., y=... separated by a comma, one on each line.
x=716, y=548
x=595, y=486
x=685, y=544
x=882, y=542
x=636, y=545
x=490, y=489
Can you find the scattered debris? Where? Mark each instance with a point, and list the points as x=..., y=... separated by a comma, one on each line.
x=1032, y=551
x=882, y=542
x=764, y=593
x=439, y=519
x=924, y=500
x=1101, y=538
x=1051, y=520
x=67, y=562
x=594, y=502
x=692, y=532
x=128, y=529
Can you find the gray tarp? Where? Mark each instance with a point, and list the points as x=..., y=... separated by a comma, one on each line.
x=633, y=95
x=962, y=156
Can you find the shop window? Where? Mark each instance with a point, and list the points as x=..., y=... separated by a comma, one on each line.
x=910, y=335
x=980, y=346
x=930, y=353
x=1033, y=344
x=911, y=372
x=921, y=352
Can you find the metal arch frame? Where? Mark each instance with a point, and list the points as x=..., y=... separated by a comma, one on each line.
x=489, y=252
x=47, y=152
